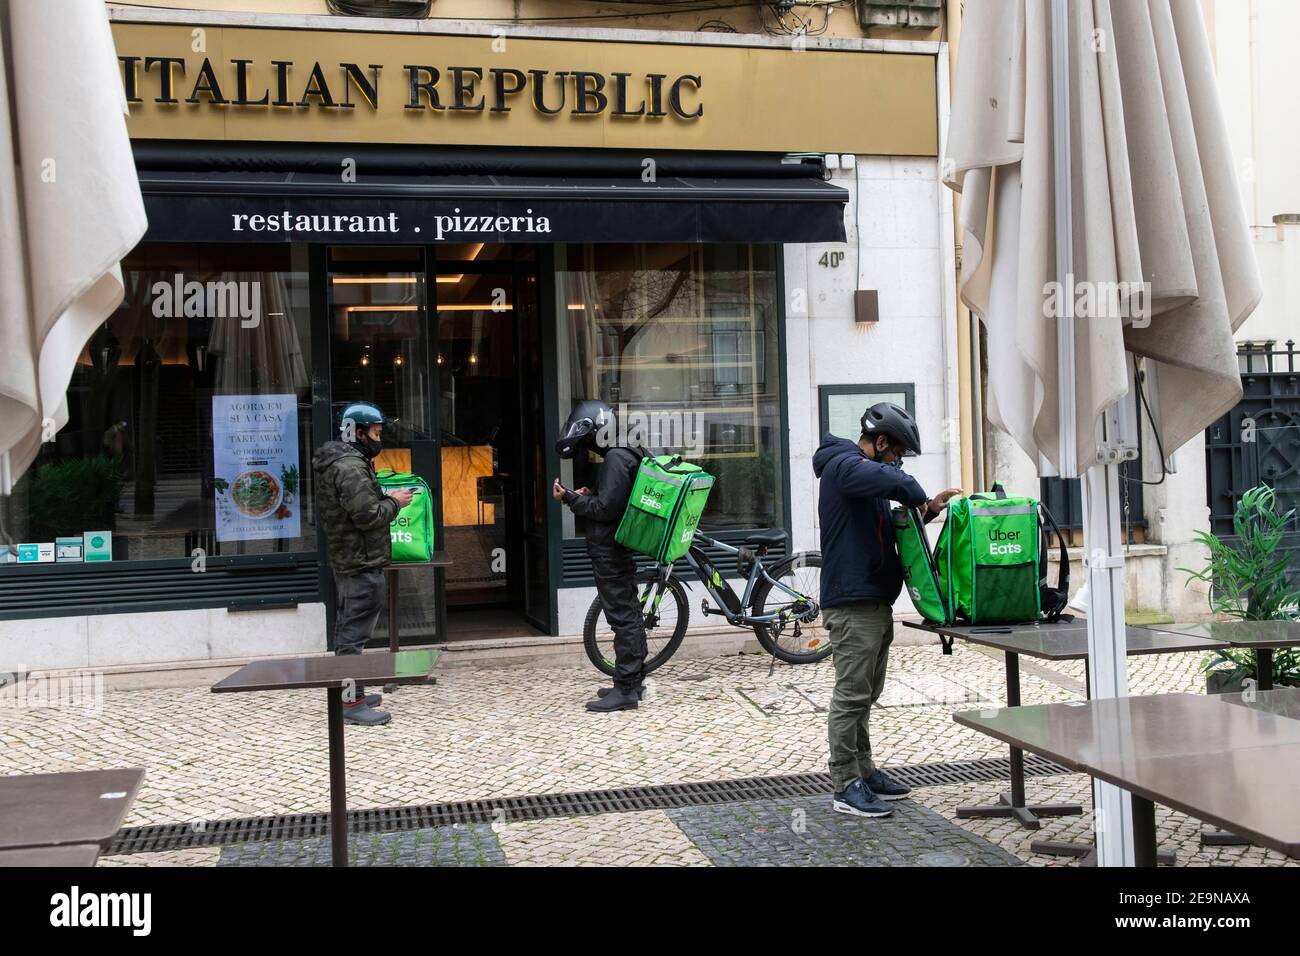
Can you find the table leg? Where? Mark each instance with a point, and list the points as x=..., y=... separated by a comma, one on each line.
x=1144, y=831
x=390, y=576
x=1088, y=851
x=1013, y=804
x=1263, y=681
x=1264, y=668
x=338, y=781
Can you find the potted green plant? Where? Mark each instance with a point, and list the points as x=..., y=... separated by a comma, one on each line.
x=75, y=495
x=1248, y=580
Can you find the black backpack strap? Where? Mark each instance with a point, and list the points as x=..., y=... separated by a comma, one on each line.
x=1055, y=599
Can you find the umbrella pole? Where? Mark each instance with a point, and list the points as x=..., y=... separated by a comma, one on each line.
x=1107, y=644
x=1107, y=647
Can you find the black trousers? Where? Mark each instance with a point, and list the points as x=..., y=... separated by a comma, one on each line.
x=360, y=601
x=615, y=571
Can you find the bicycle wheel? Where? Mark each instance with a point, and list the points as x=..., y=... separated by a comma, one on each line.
x=665, y=626
x=795, y=642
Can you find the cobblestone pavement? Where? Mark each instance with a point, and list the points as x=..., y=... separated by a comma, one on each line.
x=807, y=832
x=496, y=732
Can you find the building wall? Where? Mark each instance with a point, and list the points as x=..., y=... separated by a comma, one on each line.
x=842, y=21
x=1258, y=73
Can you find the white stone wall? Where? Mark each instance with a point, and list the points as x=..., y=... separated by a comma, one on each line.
x=116, y=640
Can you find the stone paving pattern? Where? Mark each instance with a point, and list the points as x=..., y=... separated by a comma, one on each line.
x=508, y=731
x=807, y=832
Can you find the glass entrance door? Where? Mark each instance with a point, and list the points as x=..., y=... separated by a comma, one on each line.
x=378, y=306
x=486, y=307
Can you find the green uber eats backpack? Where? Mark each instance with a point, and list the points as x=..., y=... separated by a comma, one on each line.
x=664, y=508
x=412, y=529
x=989, y=565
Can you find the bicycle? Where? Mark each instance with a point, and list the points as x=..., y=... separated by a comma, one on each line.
x=789, y=630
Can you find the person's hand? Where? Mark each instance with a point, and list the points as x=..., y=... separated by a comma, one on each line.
x=403, y=496
x=557, y=490
x=584, y=490
x=940, y=501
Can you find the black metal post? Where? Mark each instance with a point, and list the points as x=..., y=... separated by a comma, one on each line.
x=338, y=781
x=1013, y=804
x=1017, y=755
x=1144, y=831
x=391, y=576
x=1264, y=668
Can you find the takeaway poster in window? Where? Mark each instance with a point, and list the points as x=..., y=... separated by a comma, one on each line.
x=255, y=466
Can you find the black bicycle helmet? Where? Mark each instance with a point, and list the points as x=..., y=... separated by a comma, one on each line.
x=886, y=418
x=591, y=422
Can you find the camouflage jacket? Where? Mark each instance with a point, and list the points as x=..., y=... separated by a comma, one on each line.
x=355, y=512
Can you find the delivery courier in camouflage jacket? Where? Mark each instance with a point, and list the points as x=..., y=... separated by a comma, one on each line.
x=356, y=513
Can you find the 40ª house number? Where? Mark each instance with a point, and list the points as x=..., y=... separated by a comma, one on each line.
x=831, y=260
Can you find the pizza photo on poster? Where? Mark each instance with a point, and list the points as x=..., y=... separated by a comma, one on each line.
x=255, y=466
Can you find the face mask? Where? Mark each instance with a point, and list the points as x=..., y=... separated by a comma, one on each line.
x=369, y=447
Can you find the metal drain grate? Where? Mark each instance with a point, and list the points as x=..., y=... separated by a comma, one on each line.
x=299, y=826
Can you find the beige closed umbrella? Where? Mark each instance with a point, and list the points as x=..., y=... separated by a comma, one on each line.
x=70, y=209
x=1101, y=220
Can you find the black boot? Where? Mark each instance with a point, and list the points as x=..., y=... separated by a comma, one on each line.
x=606, y=691
x=616, y=699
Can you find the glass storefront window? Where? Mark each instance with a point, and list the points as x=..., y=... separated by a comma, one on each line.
x=378, y=323
x=189, y=418
x=682, y=341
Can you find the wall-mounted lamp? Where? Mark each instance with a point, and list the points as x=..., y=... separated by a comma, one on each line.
x=866, y=305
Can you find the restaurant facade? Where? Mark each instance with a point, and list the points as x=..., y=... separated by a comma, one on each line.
x=737, y=241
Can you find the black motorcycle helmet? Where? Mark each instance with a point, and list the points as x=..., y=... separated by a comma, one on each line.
x=886, y=418
x=590, y=424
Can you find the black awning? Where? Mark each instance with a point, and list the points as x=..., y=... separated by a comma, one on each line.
x=212, y=206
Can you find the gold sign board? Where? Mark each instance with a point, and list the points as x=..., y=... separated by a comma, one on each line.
x=260, y=84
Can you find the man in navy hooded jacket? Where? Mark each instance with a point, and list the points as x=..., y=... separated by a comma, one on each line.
x=861, y=579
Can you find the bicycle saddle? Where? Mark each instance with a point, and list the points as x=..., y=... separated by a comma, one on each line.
x=768, y=539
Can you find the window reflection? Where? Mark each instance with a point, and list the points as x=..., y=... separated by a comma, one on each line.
x=201, y=329
x=680, y=339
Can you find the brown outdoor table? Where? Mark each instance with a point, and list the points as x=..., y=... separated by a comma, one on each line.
x=1236, y=767
x=1262, y=637
x=73, y=854
x=439, y=559
x=56, y=809
x=1283, y=701
x=1062, y=641
x=334, y=674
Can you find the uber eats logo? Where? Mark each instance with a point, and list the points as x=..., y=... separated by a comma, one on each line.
x=398, y=530
x=1004, y=542
x=653, y=498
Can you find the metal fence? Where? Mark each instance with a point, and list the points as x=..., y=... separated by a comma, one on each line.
x=1258, y=441
x=1064, y=500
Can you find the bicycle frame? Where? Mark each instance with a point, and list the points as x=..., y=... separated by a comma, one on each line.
x=711, y=578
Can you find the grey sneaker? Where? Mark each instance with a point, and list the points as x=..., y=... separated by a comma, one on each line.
x=859, y=801
x=886, y=787
x=365, y=715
